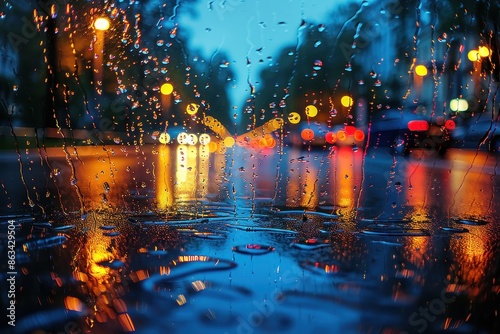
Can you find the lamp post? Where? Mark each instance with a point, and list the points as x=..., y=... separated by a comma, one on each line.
x=101, y=24
x=420, y=72
x=166, y=91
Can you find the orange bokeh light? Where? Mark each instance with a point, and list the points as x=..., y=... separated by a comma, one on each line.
x=307, y=134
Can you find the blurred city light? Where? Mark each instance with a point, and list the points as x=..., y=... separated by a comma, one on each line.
x=307, y=134
x=294, y=118
x=459, y=105
x=484, y=51
x=311, y=111
x=166, y=89
x=473, y=55
x=346, y=101
x=421, y=70
x=101, y=24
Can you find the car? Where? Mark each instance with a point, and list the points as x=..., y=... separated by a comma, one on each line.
x=405, y=130
x=481, y=131
x=318, y=134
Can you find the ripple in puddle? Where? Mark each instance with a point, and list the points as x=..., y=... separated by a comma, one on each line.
x=186, y=265
x=311, y=244
x=253, y=249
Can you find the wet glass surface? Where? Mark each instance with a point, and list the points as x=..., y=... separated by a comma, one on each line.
x=235, y=166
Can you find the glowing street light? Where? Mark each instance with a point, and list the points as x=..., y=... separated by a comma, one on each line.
x=421, y=70
x=102, y=24
x=483, y=51
x=346, y=101
x=473, y=55
x=166, y=88
x=166, y=91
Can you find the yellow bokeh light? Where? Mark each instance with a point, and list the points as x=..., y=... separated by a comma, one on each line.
x=166, y=89
x=204, y=139
x=229, y=142
x=421, y=70
x=164, y=138
x=311, y=111
x=102, y=24
x=346, y=101
x=192, y=108
x=294, y=117
x=192, y=139
x=484, y=51
x=341, y=135
x=182, y=138
x=473, y=55
x=212, y=147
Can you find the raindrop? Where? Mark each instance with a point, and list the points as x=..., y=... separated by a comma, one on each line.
x=318, y=64
x=107, y=227
x=45, y=242
x=321, y=28
x=210, y=235
x=261, y=229
x=348, y=67
x=317, y=43
x=454, y=229
x=111, y=234
x=395, y=231
x=114, y=264
x=310, y=244
x=63, y=228
x=470, y=221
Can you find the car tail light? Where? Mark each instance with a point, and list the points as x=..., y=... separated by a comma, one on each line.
x=450, y=124
x=418, y=125
x=359, y=135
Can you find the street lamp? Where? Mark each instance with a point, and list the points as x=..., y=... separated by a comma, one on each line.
x=101, y=24
x=421, y=70
x=473, y=55
x=166, y=91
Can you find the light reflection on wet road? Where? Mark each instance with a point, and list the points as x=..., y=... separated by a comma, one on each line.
x=254, y=242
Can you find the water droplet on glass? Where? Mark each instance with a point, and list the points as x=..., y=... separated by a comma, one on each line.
x=317, y=43
x=321, y=28
x=318, y=64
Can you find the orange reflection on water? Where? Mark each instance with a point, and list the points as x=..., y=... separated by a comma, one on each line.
x=418, y=186
x=302, y=188
x=163, y=179
x=345, y=166
x=186, y=173
x=471, y=182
